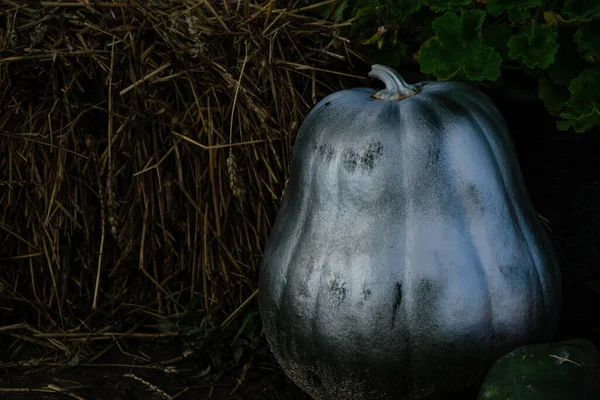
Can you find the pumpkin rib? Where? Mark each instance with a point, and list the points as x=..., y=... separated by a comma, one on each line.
x=536, y=257
x=284, y=305
x=322, y=288
x=458, y=110
x=408, y=205
x=313, y=313
x=478, y=130
x=517, y=214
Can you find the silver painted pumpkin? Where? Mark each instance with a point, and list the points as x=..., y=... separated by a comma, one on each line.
x=406, y=256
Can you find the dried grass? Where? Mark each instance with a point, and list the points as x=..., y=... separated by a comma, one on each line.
x=144, y=149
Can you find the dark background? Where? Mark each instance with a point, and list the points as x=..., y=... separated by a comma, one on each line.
x=561, y=170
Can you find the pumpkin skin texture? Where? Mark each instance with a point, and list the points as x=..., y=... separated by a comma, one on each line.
x=406, y=256
x=568, y=370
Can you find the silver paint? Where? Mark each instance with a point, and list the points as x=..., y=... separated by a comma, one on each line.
x=406, y=256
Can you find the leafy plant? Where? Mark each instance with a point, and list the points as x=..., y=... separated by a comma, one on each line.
x=457, y=49
x=555, y=42
x=518, y=11
x=535, y=47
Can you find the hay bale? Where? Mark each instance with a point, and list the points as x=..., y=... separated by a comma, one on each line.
x=144, y=149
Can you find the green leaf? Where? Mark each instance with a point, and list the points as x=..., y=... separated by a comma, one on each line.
x=563, y=125
x=457, y=50
x=583, y=109
x=568, y=62
x=519, y=11
x=552, y=17
x=581, y=9
x=245, y=323
x=326, y=11
x=485, y=64
x=441, y=5
x=372, y=40
x=424, y=29
x=338, y=13
x=585, y=90
x=497, y=36
x=74, y=361
x=554, y=96
x=365, y=11
x=401, y=9
x=238, y=351
x=383, y=12
x=535, y=46
x=587, y=38
x=165, y=326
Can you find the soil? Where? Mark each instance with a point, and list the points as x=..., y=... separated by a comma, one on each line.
x=114, y=377
x=562, y=173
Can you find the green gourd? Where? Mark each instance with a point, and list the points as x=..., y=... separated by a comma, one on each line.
x=568, y=370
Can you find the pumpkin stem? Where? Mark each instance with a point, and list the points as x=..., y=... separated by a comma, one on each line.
x=396, y=88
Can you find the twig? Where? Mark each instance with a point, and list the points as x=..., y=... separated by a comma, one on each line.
x=57, y=388
x=83, y=4
x=150, y=386
x=234, y=314
x=145, y=78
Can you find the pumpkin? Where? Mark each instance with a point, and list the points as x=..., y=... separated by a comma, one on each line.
x=568, y=370
x=406, y=256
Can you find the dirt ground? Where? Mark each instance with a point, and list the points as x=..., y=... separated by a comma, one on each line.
x=114, y=378
x=563, y=176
